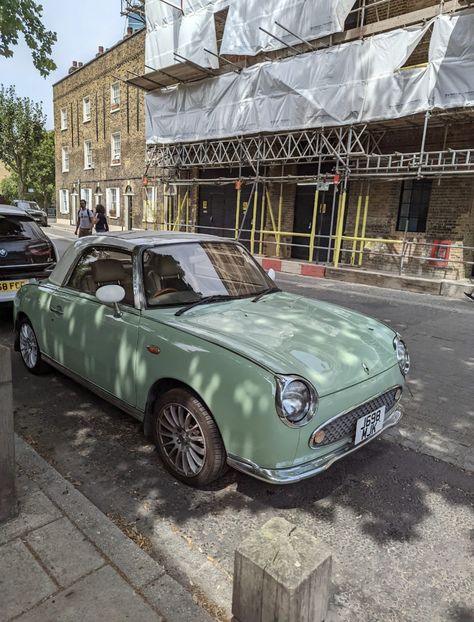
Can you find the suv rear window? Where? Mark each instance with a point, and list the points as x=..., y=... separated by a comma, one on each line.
x=18, y=228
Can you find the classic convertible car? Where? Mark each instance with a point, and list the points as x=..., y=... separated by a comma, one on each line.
x=188, y=333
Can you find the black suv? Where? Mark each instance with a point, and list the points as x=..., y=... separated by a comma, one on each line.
x=25, y=251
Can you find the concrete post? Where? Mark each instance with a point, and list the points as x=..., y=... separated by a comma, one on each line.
x=281, y=572
x=8, y=498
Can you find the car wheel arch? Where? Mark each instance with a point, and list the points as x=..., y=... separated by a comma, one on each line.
x=158, y=388
x=19, y=318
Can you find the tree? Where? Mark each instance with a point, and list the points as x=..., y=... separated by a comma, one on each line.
x=22, y=123
x=24, y=17
x=8, y=189
x=42, y=171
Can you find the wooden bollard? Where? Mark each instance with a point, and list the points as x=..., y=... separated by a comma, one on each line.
x=281, y=573
x=8, y=497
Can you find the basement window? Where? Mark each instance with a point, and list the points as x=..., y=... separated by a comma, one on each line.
x=414, y=204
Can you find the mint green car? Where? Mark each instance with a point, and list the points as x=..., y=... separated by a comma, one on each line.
x=188, y=334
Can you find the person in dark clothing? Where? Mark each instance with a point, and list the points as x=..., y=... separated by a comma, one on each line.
x=101, y=225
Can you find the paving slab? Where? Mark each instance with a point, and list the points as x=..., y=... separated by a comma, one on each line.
x=102, y=595
x=23, y=583
x=36, y=510
x=64, y=551
x=174, y=602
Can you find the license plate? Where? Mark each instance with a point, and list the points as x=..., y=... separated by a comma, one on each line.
x=369, y=425
x=7, y=287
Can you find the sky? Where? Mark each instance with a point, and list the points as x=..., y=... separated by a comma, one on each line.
x=81, y=26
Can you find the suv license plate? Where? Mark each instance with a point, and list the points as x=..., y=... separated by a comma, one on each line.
x=369, y=425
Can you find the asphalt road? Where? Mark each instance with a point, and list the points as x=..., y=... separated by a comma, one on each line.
x=400, y=523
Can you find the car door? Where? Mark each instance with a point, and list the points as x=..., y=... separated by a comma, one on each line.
x=95, y=342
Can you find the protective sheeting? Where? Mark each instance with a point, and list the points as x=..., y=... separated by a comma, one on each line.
x=452, y=53
x=310, y=19
x=328, y=87
x=188, y=33
x=355, y=82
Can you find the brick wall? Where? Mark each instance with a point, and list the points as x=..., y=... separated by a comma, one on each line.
x=94, y=80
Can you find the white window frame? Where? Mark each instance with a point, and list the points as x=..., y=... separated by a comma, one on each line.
x=86, y=109
x=150, y=207
x=114, y=152
x=86, y=194
x=114, y=97
x=65, y=158
x=64, y=201
x=113, y=201
x=88, y=160
x=63, y=117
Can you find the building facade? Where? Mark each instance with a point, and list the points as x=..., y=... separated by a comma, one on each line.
x=100, y=136
x=395, y=194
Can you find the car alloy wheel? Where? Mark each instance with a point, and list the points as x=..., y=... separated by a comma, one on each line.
x=182, y=439
x=28, y=346
x=187, y=438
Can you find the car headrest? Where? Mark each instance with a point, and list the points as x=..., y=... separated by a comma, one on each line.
x=169, y=266
x=107, y=270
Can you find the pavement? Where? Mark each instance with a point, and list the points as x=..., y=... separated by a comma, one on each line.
x=398, y=515
x=62, y=559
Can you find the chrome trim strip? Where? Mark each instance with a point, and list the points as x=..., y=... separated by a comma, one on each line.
x=105, y=395
x=349, y=410
x=295, y=474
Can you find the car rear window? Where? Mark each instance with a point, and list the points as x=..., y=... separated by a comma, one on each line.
x=18, y=228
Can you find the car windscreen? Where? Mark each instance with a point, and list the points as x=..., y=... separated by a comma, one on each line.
x=18, y=228
x=176, y=274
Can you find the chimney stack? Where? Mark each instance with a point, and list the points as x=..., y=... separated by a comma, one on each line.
x=73, y=67
x=100, y=50
x=129, y=32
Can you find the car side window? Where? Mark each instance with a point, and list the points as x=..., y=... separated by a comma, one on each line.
x=100, y=266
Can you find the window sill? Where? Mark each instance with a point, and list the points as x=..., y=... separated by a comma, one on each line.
x=86, y=120
x=65, y=170
x=115, y=163
x=112, y=109
x=63, y=129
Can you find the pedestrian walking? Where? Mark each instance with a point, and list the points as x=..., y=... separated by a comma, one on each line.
x=85, y=220
x=101, y=224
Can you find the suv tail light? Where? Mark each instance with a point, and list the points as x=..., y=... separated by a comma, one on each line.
x=40, y=250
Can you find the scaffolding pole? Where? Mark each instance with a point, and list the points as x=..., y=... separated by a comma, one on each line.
x=313, y=224
x=356, y=228
x=364, y=227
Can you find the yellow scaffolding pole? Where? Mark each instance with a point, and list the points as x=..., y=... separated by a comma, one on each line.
x=364, y=227
x=254, y=222
x=237, y=213
x=356, y=229
x=340, y=227
x=187, y=212
x=262, y=225
x=280, y=210
x=313, y=225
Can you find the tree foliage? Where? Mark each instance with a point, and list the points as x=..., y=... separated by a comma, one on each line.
x=22, y=126
x=24, y=17
x=42, y=171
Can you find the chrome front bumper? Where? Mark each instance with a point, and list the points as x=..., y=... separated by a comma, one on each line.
x=295, y=474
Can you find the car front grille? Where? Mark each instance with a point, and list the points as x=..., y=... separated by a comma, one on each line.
x=345, y=425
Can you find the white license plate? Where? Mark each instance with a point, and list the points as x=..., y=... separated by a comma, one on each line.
x=369, y=425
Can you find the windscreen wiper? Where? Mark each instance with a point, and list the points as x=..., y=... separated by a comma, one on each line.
x=203, y=301
x=270, y=290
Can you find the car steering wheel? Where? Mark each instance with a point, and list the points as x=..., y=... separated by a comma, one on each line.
x=167, y=290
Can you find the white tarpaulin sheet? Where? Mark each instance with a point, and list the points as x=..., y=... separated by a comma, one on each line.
x=327, y=87
x=356, y=82
x=309, y=19
x=190, y=31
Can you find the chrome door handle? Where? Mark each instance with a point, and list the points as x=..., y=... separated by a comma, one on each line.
x=58, y=310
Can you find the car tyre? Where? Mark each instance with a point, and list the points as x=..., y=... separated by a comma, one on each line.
x=29, y=349
x=187, y=438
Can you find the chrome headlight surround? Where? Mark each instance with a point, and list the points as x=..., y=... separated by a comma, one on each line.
x=296, y=400
x=401, y=351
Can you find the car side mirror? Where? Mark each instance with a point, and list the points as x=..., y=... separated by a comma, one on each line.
x=272, y=274
x=111, y=295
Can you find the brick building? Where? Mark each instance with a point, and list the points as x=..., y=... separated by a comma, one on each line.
x=404, y=184
x=99, y=133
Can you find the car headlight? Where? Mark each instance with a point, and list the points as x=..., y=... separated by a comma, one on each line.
x=403, y=357
x=296, y=400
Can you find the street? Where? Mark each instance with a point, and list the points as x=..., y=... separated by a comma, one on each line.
x=397, y=515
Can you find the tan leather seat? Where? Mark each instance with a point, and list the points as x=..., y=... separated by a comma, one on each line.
x=112, y=272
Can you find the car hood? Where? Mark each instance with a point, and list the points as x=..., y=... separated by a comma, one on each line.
x=329, y=345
